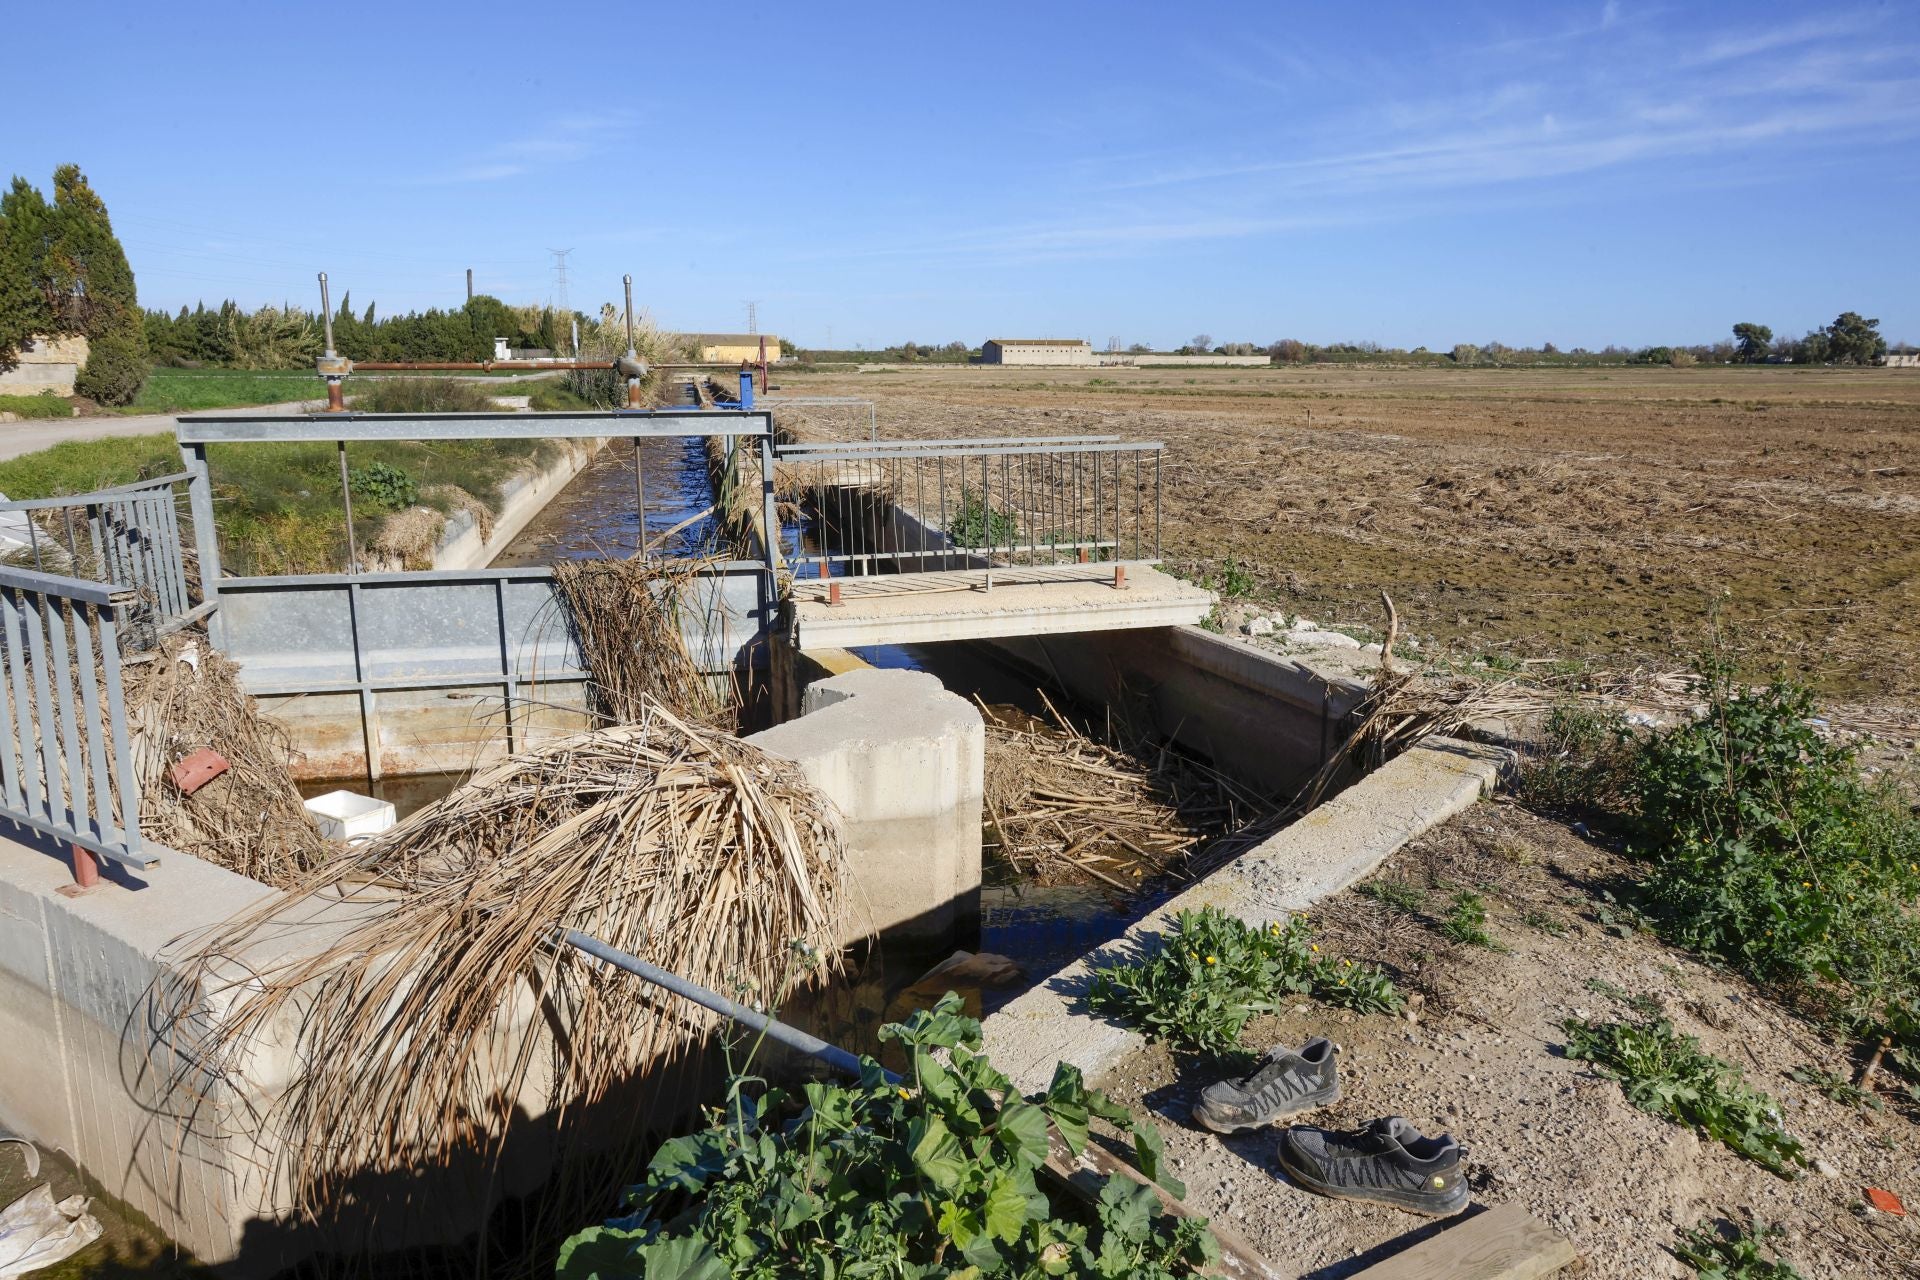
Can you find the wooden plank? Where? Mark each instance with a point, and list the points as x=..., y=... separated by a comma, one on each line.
x=1502, y=1243
x=1085, y=1176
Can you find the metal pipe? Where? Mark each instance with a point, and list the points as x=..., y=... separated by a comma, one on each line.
x=477, y=366
x=326, y=313
x=774, y=1029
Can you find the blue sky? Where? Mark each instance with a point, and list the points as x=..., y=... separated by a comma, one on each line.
x=1413, y=174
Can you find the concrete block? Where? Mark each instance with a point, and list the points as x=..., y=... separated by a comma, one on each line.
x=905, y=762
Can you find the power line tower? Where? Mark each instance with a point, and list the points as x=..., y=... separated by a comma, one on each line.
x=753, y=317
x=560, y=304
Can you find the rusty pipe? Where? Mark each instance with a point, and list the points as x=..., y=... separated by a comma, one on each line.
x=479, y=366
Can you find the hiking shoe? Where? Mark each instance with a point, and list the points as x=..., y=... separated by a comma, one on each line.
x=1389, y=1162
x=1288, y=1084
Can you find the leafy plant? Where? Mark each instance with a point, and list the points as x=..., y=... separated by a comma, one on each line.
x=1545, y=923
x=1665, y=1073
x=383, y=483
x=933, y=1176
x=1736, y=1257
x=1466, y=922
x=1772, y=852
x=1234, y=582
x=1835, y=1087
x=1214, y=972
x=1644, y=1005
x=977, y=524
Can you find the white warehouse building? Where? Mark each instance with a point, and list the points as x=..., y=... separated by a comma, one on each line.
x=1036, y=351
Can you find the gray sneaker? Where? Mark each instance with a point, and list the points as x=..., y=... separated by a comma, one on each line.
x=1288, y=1084
x=1389, y=1162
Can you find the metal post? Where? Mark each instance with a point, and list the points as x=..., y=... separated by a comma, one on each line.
x=640, y=498
x=206, y=538
x=632, y=361
x=769, y=512
x=331, y=366
x=746, y=388
x=346, y=505
x=469, y=289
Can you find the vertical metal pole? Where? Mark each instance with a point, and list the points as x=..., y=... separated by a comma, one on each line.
x=122, y=746
x=469, y=286
x=336, y=402
x=346, y=505
x=769, y=512
x=206, y=538
x=640, y=499
x=633, y=384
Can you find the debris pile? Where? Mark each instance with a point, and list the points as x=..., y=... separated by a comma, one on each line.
x=1065, y=806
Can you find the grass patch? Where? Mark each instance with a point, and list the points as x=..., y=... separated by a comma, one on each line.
x=1466, y=922
x=189, y=390
x=1582, y=763
x=1735, y=1255
x=1834, y=1087
x=1550, y=925
x=1403, y=896
x=44, y=405
x=277, y=506
x=1214, y=972
x=422, y=395
x=557, y=397
x=1667, y=1074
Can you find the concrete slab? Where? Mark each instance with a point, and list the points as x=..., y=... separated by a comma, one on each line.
x=919, y=608
x=1319, y=855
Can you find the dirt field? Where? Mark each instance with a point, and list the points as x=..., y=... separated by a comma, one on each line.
x=1602, y=514
x=1486, y=1062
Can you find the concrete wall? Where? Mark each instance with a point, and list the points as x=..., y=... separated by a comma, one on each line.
x=1050, y=353
x=905, y=762
x=1156, y=360
x=44, y=364
x=1266, y=719
x=462, y=545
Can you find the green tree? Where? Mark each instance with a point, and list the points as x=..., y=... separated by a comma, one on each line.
x=88, y=270
x=1854, y=339
x=25, y=222
x=1754, y=342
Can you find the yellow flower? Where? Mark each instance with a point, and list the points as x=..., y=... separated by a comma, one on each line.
x=1316, y=946
x=1349, y=964
x=1210, y=960
x=903, y=1093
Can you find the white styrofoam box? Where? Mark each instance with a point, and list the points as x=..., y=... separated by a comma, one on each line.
x=344, y=815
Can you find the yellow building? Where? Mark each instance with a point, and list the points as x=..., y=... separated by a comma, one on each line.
x=732, y=348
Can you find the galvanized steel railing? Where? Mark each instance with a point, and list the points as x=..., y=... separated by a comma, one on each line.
x=66, y=763
x=127, y=536
x=911, y=506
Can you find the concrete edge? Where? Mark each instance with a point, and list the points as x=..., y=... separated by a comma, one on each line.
x=1315, y=857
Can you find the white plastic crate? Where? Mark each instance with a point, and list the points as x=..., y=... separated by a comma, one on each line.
x=344, y=815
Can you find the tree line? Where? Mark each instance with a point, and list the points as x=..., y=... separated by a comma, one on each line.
x=229, y=336
x=63, y=274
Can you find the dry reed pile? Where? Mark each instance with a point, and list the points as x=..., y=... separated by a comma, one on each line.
x=1067, y=806
x=628, y=620
x=443, y=1008
x=185, y=695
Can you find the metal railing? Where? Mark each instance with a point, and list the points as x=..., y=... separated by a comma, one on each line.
x=66, y=762
x=910, y=506
x=128, y=536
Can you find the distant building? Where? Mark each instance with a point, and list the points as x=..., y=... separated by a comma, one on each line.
x=1036, y=351
x=732, y=348
x=1903, y=360
x=44, y=364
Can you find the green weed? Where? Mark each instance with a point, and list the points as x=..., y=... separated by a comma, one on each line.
x=1547, y=924
x=1835, y=1087
x=1737, y=1257
x=1403, y=896
x=932, y=1177
x=1214, y=972
x=1665, y=1073
x=1648, y=1007
x=976, y=524
x=1466, y=922
x=1581, y=762
x=422, y=395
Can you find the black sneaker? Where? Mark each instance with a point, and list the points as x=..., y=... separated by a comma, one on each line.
x=1388, y=1162
x=1287, y=1085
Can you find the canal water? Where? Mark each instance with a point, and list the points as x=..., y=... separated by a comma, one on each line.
x=597, y=516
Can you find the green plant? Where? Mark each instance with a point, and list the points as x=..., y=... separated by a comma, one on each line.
x=1466, y=922
x=1665, y=1073
x=976, y=524
x=1620, y=917
x=1233, y=582
x=1547, y=924
x=383, y=483
x=1213, y=972
x=1403, y=896
x=1772, y=852
x=1581, y=762
x=421, y=395
x=1835, y=1087
x=44, y=405
x=932, y=1177
x=1732, y=1257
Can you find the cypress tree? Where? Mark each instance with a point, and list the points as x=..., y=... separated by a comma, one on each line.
x=24, y=229
x=89, y=271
